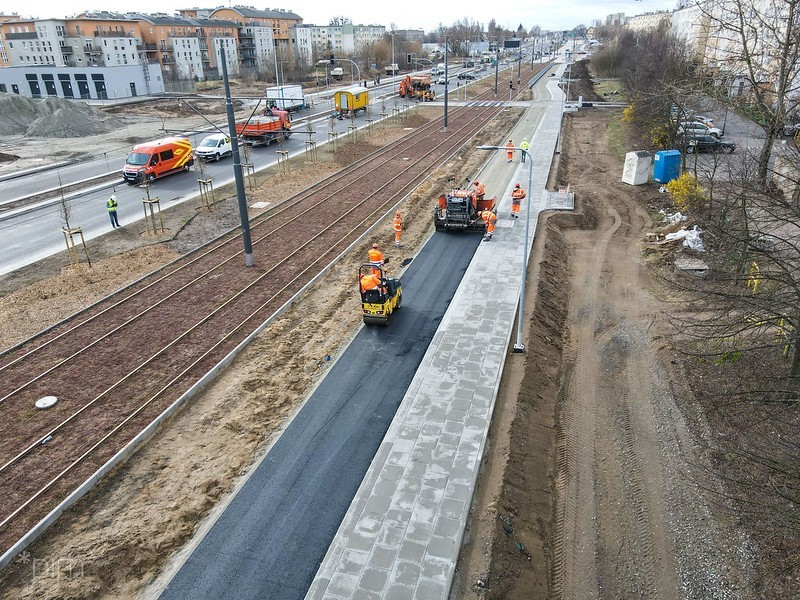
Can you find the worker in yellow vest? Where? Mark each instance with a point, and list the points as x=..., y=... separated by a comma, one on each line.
x=111, y=205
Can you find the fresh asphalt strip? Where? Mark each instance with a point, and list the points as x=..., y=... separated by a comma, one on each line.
x=272, y=537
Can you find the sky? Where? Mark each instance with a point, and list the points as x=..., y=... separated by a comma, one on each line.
x=413, y=14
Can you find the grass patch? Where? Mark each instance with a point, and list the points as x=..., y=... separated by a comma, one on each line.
x=617, y=136
x=605, y=89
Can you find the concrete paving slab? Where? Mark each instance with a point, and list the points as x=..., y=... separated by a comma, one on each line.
x=446, y=430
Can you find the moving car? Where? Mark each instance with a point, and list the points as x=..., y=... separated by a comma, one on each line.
x=154, y=159
x=467, y=75
x=214, y=147
x=694, y=129
x=708, y=143
x=442, y=79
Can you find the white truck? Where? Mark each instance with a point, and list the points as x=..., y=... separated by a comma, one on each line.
x=286, y=97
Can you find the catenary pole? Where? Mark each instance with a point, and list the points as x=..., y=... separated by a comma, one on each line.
x=237, y=164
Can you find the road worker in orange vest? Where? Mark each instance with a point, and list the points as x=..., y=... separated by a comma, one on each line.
x=397, y=224
x=376, y=259
x=370, y=281
x=480, y=190
x=516, y=199
x=510, y=150
x=489, y=220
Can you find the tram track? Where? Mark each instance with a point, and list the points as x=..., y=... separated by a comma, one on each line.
x=117, y=365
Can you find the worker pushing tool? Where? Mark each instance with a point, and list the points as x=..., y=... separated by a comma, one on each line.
x=397, y=225
x=376, y=259
x=516, y=200
x=489, y=220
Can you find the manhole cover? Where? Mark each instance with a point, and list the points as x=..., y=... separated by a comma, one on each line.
x=46, y=402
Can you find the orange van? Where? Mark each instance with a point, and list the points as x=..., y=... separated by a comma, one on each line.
x=154, y=159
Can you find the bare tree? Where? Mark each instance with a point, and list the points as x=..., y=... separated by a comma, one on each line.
x=757, y=43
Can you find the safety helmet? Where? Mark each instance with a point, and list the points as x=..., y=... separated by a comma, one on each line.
x=374, y=245
x=113, y=197
x=397, y=213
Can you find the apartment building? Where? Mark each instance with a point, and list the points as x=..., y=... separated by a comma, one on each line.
x=279, y=21
x=315, y=42
x=649, y=21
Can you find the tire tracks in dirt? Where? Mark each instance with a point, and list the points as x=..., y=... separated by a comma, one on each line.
x=611, y=534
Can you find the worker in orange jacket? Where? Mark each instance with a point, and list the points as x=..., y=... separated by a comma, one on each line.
x=510, y=150
x=489, y=220
x=370, y=281
x=376, y=259
x=516, y=199
x=397, y=224
x=480, y=190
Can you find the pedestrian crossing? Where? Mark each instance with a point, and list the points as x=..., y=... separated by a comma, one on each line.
x=488, y=103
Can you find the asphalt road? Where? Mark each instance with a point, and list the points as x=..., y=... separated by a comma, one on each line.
x=273, y=536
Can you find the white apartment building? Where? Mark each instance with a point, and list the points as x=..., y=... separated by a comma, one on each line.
x=257, y=46
x=231, y=53
x=649, y=21
x=316, y=42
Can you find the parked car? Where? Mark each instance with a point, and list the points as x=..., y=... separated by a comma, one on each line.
x=694, y=129
x=790, y=130
x=707, y=121
x=442, y=80
x=708, y=143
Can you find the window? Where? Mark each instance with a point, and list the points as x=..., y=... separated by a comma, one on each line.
x=3, y=89
x=167, y=155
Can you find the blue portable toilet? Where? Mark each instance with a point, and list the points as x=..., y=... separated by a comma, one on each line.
x=666, y=165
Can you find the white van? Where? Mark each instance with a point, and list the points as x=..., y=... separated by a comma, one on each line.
x=214, y=147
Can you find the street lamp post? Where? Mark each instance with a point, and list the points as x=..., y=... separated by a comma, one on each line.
x=519, y=346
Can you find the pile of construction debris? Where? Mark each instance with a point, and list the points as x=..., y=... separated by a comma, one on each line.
x=52, y=117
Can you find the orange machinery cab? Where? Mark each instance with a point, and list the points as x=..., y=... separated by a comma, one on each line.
x=154, y=159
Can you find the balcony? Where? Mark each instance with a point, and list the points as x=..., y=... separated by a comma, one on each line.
x=112, y=34
x=168, y=60
x=92, y=51
x=28, y=35
x=151, y=48
x=67, y=50
x=166, y=48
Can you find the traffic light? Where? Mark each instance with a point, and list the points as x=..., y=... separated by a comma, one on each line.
x=409, y=58
x=331, y=58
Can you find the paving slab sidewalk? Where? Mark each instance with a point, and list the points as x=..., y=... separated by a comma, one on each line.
x=402, y=533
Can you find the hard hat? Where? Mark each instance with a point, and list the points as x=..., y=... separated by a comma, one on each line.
x=374, y=245
x=113, y=197
x=397, y=213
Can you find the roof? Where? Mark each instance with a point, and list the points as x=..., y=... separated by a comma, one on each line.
x=253, y=13
x=358, y=89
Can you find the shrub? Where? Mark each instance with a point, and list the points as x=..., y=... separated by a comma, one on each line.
x=687, y=193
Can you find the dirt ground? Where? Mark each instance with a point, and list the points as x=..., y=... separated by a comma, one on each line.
x=115, y=540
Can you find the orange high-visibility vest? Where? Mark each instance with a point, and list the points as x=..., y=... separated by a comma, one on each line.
x=375, y=256
x=517, y=195
x=370, y=281
x=398, y=223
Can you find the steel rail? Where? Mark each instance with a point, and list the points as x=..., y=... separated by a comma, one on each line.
x=239, y=293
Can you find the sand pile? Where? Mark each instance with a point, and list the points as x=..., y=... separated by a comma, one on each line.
x=52, y=117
